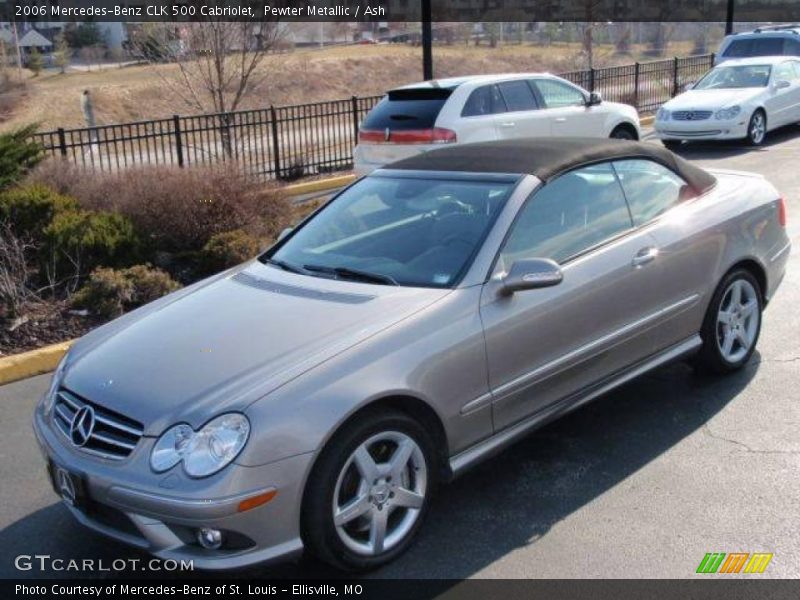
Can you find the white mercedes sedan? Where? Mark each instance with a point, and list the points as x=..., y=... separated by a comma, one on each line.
x=740, y=99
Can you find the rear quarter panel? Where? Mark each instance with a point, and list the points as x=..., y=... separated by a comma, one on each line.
x=700, y=241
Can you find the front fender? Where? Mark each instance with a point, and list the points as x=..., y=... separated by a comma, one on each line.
x=437, y=357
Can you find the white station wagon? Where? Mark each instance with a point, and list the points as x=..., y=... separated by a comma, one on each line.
x=422, y=116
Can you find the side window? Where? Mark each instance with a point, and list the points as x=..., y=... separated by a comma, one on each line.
x=651, y=188
x=518, y=95
x=557, y=94
x=784, y=72
x=570, y=214
x=485, y=100
x=791, y=47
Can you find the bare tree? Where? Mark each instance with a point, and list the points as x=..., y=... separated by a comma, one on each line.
x=591, y=8
x=622, y=42
x=15, y=275
x=218, y=62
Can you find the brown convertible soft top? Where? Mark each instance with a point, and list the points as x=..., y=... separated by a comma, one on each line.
x=547, y=158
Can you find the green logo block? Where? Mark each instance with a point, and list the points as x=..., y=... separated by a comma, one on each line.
x=711, y=562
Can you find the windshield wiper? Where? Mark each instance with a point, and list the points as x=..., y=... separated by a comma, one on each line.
x=354, y=274
x=282, y=264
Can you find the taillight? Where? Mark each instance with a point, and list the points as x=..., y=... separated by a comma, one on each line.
x=782, y=212
x=371, y=135
x=435, y=135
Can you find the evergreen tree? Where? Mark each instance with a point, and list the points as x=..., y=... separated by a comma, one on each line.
x=35, y=61
x=63, y=52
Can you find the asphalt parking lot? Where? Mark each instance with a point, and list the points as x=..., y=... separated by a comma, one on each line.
x=639, y=484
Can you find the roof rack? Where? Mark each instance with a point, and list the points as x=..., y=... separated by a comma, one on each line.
x=781, y=27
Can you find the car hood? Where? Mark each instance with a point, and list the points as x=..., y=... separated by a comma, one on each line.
x=711, y=99
x=227, y=342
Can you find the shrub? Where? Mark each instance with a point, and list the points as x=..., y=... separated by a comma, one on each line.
x=109, y=292
x=149, y=284
x=228, y=249
x=106, y=293
x=177, y=210
x=18, y=155
x=28, y=210
x=78, y=241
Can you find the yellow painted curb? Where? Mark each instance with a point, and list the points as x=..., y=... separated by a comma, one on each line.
x=35, y=362
x=647, y=121
x=298, y=189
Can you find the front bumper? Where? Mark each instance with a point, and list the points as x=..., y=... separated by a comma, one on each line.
x=161, y=513
x=707, y=129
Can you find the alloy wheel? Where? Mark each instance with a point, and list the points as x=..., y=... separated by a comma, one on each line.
x=379, y=493
x=758, y=127
x=738, y=320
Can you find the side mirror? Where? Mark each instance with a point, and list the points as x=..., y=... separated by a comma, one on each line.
x=531, y=274
x=689, y=86
x=594, y=99
x=782, y=84
x=284, y=233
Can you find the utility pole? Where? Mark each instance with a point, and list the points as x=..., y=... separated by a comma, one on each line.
x=729, y=19
x=427, y=41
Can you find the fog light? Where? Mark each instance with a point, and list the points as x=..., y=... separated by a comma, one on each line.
x=210, y=539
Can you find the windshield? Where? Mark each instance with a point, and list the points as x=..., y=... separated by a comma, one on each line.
x=744, y=76
x=396, y=231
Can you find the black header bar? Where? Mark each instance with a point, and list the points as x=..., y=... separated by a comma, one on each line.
x=399, y=10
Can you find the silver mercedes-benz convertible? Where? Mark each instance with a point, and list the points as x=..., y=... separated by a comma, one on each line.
x=425, y=318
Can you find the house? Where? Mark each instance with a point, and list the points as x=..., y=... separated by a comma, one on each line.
x=33, y=39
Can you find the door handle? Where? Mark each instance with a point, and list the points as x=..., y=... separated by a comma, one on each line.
x=644, y=256
x=561, y=119
x=507, y=124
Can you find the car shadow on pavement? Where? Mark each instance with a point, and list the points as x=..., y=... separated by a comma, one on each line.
x=508, y=502
x=731, y=148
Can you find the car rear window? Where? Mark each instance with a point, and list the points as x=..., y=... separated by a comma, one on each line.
x=766, y=46
x=409, y=108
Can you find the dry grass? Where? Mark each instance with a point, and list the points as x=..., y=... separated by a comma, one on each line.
x=137, y=93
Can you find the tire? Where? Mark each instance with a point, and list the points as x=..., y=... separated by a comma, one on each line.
x=624, y=132
x=757, y=128
x=728, y=345
x=672, y=145
x=337, y=480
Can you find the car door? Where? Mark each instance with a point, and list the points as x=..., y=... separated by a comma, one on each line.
x=687, y=253
x=549, y=343
x=795, y=112
x=782, y=96
x=478, y=119
x=522, y=118
x=566, y=110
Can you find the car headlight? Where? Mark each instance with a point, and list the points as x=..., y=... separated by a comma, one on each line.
x=50, y=398
x=725, y=114
x=203, y=452
x=662, y=115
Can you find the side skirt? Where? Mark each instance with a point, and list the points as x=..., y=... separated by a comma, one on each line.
x=500, y=440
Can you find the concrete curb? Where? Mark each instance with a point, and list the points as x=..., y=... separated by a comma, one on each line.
x=299, y=189
x=35, y=362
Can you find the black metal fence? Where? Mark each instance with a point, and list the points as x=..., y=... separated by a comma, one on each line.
x=288, y=142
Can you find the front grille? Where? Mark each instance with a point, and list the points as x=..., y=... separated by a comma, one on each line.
x=691, y=134
x=691, y=115
x=113, y=436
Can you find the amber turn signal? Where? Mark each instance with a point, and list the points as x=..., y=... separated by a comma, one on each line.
x=257, y=500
